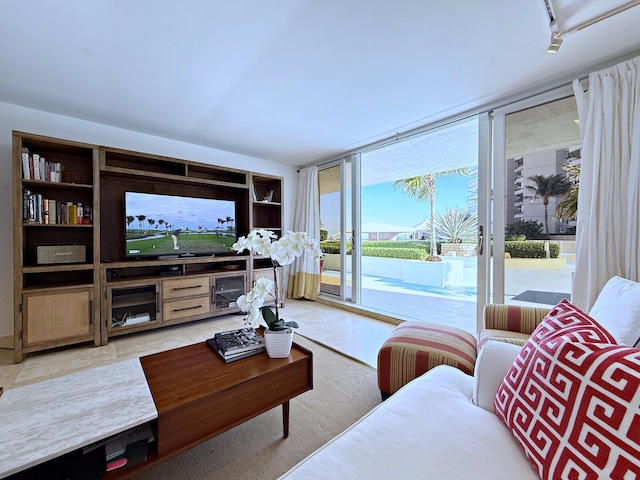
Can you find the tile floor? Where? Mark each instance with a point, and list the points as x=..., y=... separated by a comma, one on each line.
x=353, y=334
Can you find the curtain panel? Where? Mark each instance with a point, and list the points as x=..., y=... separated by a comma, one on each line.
x=304, y=274
x=607, y=235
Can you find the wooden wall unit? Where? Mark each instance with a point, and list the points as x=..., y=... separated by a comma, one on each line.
x=54, y=303
x=266, y=203
x=267, y=212
x=89, y=301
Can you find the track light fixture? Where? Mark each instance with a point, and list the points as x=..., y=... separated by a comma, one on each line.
x=557, y=32
x=556, y=41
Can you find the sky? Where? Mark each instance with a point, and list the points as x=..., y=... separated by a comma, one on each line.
x=181, y=212
x=384, y=204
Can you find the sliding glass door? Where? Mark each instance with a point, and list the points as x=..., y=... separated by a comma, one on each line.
x=448, y=219
x=537, y=165
x=419, y=224
x=336, y=233
x=410, y=247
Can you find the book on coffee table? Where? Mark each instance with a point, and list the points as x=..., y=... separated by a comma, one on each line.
x=239, y=341
x=231, y=357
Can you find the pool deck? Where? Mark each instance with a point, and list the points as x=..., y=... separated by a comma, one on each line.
x=456, y=305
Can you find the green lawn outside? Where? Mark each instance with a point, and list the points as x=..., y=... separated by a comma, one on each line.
x=188, y=243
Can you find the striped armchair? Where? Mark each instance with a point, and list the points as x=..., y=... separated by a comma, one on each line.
x=414, y=348
x=509, y=323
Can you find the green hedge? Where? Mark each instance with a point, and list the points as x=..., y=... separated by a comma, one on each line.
x=418, y=250
x=530, y=249
x=405, y=253
x=375, y=249
x=393, y=244
x=333, y=246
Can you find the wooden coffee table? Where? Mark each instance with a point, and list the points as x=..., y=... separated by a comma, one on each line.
x=198, y=396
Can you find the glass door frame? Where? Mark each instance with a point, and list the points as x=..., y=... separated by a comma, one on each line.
x=484, y=257
x=344, y=164
x=353, y=163
x=356, y=235
x=497, y=292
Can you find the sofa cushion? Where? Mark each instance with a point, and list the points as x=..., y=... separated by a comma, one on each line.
x=487, y=335
x=429, y=429
x=509, y=323
x=617, y=309
x=572, y=399
x=492, y=364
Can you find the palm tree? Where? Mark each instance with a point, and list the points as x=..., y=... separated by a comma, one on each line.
x=546, y=187
x=423, y=187
x=568, y=207
x=141, y=218
x=129, y=220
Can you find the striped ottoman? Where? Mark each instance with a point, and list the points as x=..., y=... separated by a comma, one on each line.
x=416, y=347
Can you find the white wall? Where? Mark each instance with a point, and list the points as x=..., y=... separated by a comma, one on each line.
x=42, y=123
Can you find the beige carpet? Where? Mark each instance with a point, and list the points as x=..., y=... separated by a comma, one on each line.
x=344, y=390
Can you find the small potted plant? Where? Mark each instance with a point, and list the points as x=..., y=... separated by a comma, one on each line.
x=278, y=334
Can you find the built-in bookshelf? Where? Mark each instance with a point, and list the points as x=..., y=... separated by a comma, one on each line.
x=56, y=243
x=72, y=281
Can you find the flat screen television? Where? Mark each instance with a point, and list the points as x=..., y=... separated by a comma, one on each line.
x=162, y=225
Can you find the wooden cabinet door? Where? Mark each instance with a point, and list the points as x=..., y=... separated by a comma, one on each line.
x=226, y=290
x=56, y=315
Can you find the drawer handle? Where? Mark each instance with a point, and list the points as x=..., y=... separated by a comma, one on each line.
x=186, y=308
x=186, y=288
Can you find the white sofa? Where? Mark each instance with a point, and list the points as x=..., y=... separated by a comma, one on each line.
x=442, y=425
x=430, y=429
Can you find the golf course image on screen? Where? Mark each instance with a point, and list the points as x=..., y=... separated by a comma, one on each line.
x=174, y=225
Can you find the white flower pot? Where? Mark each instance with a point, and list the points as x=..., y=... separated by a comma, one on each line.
x=278, y=343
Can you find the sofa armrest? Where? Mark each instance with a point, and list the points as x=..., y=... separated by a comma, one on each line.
x=513, y=318
x=493, y=362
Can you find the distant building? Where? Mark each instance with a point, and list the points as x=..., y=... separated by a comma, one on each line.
x=525, y=205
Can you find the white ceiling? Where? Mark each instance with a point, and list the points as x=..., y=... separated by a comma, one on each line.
x=294, y=81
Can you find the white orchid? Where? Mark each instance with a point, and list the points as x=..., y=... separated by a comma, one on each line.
x=253, y=301
x=282, y=251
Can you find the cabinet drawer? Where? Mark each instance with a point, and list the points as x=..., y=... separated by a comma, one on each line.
x=176, y=309
x=186, y=287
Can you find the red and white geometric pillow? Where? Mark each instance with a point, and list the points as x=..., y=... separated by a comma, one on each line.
x=572, y=400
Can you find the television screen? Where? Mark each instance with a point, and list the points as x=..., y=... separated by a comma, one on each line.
x=158, y=225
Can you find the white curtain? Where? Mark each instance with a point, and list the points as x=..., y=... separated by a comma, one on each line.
x=607, y=235
x=304, y=274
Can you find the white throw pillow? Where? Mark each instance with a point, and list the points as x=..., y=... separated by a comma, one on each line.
x=492, y=364
x=617, y=309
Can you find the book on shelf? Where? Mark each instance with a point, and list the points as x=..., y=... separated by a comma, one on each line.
x=232, y=357
x=239, y=341
x=36, y=167
x=45, y=210
x=37, y=209
x=53, y=212
x=26, y=170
